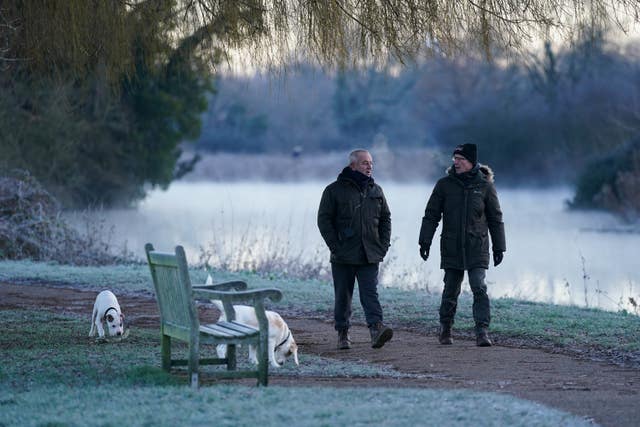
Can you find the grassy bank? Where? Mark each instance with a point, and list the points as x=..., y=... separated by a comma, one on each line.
x=609, y=334
x=53, y=374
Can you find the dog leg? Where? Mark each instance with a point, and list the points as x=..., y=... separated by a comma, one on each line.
x=94, y=315
x=295, y=356
x=98, y=324
x=252, y=354
x=221, y=349
x=272, y=353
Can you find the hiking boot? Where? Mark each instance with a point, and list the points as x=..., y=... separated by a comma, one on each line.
x=380, y=334
x=482, y=338
x=445, y=334
x=344, y=341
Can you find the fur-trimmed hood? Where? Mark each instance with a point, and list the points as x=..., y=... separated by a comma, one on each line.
x=485, y=169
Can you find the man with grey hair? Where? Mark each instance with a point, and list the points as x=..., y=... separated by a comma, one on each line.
x=355, y=223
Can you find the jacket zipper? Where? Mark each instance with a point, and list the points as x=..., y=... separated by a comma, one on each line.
x=361, y=225
x=464, y=229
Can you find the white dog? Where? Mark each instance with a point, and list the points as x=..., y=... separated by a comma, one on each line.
x=106, y=309
x=281, y=343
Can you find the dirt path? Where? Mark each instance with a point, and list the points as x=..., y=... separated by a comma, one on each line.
x=606, y=393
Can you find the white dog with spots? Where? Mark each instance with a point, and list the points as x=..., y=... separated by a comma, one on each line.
x=106, y=310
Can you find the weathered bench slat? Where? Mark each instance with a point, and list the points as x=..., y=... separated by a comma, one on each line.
x=237, y=326
x=179, y=317
x=222, y=331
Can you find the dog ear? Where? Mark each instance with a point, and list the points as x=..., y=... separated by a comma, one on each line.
x=109, y=318
x=121, y=317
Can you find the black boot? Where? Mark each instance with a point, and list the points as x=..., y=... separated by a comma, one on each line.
x=344, y=341
x=380, y=334
x=482, y=337
x=445, y=334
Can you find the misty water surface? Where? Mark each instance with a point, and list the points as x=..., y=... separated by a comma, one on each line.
x=553, y=255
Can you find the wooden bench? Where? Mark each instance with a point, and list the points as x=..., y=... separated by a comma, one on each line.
x=179, y=318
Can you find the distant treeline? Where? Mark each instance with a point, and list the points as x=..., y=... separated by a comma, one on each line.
x=96, y=133
x=539, y=121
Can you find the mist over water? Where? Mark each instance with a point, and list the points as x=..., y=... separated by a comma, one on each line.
x=553, y=255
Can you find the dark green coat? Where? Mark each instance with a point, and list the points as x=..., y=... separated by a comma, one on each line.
x=355, y=224
x=470, y=210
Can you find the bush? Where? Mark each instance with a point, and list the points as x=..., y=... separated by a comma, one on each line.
x=31, y=226
x=612, y=182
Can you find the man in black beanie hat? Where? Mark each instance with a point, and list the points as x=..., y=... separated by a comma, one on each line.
x=467, y=202
x=468, y=151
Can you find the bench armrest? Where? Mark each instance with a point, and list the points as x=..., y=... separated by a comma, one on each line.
x=254, y=296
x=236, y=285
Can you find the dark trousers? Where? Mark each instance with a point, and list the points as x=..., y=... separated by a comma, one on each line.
x=344, y=276
x=452, y=283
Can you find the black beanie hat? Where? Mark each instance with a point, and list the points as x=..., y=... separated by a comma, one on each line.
x=468, y=151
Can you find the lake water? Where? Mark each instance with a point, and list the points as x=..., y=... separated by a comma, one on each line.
x=553, y=255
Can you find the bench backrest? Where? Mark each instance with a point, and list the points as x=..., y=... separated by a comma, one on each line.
x=173, y=289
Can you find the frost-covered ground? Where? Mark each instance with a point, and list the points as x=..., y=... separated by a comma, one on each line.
x=554, y=255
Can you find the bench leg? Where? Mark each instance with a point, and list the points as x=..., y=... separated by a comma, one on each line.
x=193, y=364
x=263, y=361
x=231, y=357
x=165, y=351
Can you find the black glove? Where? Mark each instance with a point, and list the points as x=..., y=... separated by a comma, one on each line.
x=497, y=257
x=424, y=252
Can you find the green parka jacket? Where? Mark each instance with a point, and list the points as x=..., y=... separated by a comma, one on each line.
x=355, y=224
x=470, y=210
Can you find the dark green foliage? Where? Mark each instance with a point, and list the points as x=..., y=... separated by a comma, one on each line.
x=90, y=136
x=166, y=103
x=597, y=173
x=94, y=148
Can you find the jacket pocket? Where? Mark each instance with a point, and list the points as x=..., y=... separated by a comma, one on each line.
x=448, y=246
x=479, y=243
x=373, y=207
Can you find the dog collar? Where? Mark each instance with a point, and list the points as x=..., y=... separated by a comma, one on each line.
x=283, y=342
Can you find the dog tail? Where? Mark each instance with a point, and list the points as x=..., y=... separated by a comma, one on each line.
x=218, y=304
x=209, y=280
